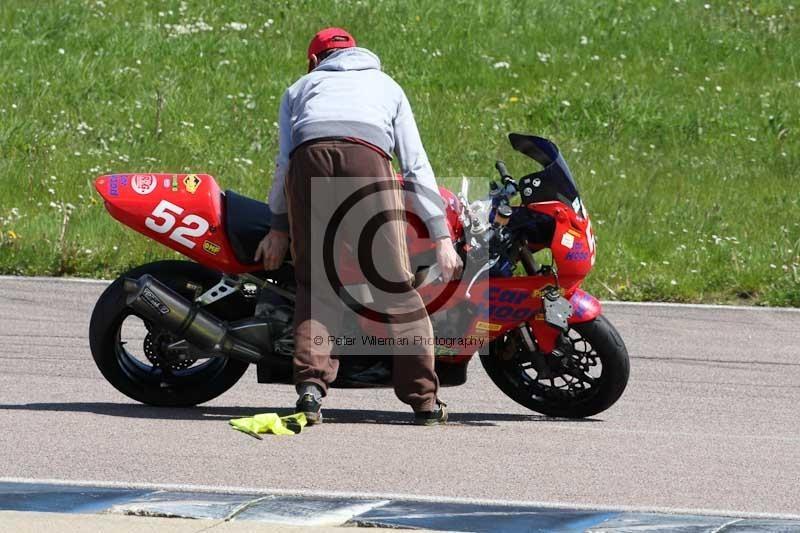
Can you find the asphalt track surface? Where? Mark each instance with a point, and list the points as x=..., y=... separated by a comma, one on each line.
x=709, y=421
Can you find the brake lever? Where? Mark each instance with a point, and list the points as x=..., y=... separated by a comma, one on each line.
x=487, y=266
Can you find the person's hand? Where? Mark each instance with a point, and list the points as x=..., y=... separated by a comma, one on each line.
x=448, y=260
x=272, y=249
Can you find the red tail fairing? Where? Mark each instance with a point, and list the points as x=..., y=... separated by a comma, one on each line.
x=182, y=211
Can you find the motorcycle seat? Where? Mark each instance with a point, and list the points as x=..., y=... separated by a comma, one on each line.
x=246, y=223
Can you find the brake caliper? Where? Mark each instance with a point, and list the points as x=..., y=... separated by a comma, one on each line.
x=557, y=309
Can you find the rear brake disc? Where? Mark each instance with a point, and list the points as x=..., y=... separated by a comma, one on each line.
x=155, y=345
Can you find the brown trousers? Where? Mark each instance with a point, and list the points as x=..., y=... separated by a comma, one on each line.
x=313, y=193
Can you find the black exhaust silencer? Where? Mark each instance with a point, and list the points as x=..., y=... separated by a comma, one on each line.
x=159, y=304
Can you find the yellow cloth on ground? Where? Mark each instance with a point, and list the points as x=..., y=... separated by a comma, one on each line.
x=270, y=423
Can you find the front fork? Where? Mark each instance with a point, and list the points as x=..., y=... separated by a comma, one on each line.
x=559, y=312
x=548, y=325
x=583, y=308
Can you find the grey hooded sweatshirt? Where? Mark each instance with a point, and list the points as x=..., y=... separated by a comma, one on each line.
x=347, y=95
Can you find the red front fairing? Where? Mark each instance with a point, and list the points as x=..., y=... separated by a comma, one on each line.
x=503, y=304
x=181, y=211
x=573, y=244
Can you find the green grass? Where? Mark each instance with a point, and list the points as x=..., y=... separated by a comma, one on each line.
x=679, y=121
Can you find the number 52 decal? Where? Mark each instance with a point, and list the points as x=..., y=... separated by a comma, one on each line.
x=191, y=225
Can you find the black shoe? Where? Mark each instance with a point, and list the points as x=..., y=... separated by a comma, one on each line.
x=432, y=418
x=311, y=407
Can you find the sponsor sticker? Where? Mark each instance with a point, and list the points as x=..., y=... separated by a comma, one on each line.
x=143, y=184
x=115, y=183
x=211, y=247
x=445, y=351
x=192, y=183
x=568, y=240
x=577, y=256
x=154, y=301
x=538, y=293
x=167, y=183
x=578, y=253
x=488, y=326
x=174, y=182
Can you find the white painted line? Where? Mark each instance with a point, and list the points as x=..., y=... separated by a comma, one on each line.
x=50, y=279
x=405, y=497
x=721, y=307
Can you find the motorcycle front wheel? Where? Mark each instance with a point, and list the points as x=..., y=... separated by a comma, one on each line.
x=588, y=378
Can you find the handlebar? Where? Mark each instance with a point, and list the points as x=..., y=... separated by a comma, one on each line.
x=501, y=169
x=505, y=177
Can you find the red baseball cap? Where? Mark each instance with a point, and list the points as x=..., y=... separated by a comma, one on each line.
x=330, y=38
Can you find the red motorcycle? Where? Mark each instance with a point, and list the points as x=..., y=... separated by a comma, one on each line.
x=179, y=333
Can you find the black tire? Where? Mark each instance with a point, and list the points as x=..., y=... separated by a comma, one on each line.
x=182, y=388
x=510, y=376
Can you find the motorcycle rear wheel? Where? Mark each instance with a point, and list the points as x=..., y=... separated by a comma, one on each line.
x=596, y=344
x=150, y=380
